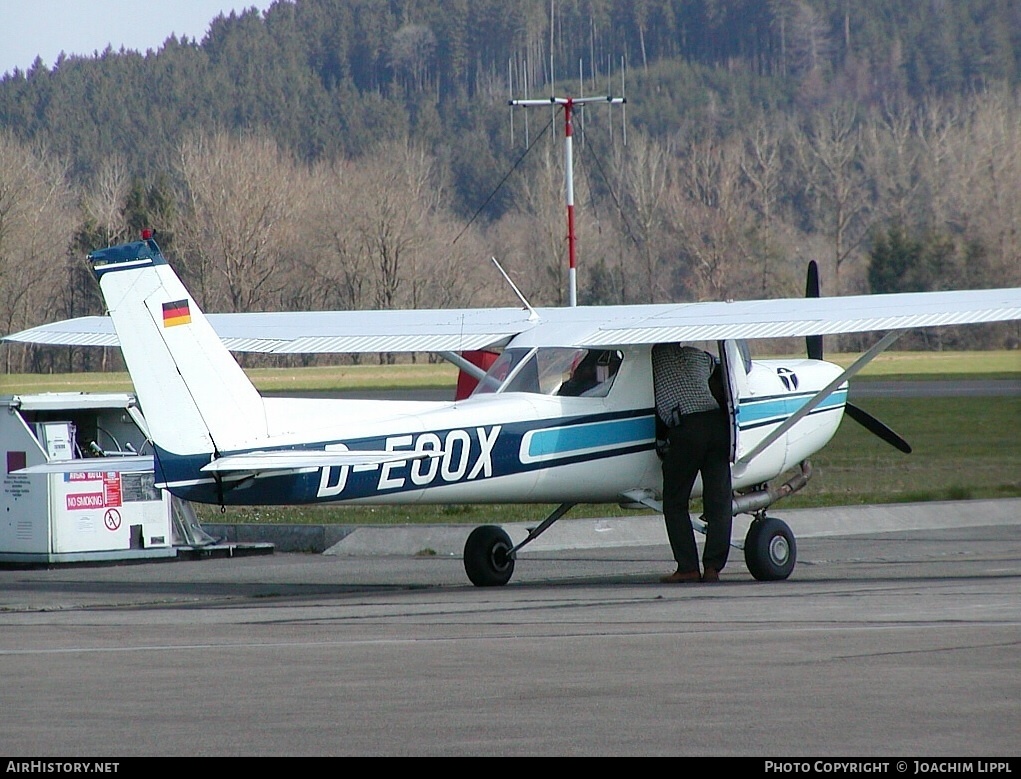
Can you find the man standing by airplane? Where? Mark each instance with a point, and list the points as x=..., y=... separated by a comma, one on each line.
x=698, y=442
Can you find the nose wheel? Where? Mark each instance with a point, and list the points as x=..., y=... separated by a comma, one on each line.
x=770, y=550
x=487, y=556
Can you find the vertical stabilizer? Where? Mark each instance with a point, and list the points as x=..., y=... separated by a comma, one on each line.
x=194, y=395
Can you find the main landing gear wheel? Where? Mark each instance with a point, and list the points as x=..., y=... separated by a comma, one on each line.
x=769, y=549
x=487, y=559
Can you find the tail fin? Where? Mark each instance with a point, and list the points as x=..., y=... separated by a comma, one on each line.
x=195, y=397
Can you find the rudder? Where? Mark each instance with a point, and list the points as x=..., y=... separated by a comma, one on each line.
x=195, y=396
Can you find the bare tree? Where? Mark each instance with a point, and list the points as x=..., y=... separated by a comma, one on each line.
x=395, y=193
x=831, y=157
x=891, y=154
x=103, y=201
x=714, y=220
x=938, y=130
x=382, y=237
x=243, y=197
x=767, y=176
x=333, y=271
x=805, y=42
x=411, y=52
x=643, y=171
x=988, y=178
x=36, y=216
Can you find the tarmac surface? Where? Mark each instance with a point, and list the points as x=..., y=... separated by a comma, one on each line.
x=898, y=635
x=956, y=388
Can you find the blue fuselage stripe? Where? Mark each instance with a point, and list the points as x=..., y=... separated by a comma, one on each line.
x=754, y=412
x=561, y=441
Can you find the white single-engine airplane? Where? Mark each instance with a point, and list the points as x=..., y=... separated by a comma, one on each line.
x=564, y=415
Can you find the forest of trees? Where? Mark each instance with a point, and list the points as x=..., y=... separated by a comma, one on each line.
x=361, y=154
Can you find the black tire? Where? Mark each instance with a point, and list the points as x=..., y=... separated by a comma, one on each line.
x=486, y=558
x=770, y=550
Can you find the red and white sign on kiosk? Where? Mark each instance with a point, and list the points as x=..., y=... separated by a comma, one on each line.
x=103, y=490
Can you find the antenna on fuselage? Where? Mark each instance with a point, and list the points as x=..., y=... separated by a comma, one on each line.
x=533, y=315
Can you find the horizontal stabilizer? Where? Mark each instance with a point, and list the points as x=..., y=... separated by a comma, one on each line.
x=93, y=465
x=290, y=459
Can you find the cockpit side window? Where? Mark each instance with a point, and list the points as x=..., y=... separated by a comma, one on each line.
x=553, y=371
x=499, y=371
x=592, y=374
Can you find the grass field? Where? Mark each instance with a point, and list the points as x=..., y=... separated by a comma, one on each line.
x=889, y=365
x=336, y=378
x=964, y=448
x=938, y=365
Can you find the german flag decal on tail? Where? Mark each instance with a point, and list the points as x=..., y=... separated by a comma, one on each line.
x=176, y=313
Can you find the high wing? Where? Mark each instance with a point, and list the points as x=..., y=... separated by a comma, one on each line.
x=308, y=332
x=608, y=326
x=441, y=330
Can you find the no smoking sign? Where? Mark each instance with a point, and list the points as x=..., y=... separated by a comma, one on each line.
x=112, y=519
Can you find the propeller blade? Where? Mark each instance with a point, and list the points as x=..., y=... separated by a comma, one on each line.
x=813, y=343
x=874, y=426
x=812, y=282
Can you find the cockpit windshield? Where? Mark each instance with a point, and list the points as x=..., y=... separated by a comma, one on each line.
x=561, y=371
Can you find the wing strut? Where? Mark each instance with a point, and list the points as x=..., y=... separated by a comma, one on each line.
x=468, y=367
x=883, y=344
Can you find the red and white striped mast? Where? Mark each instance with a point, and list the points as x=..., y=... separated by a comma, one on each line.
x=569, y=104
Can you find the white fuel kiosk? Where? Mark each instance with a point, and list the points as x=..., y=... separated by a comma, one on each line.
x=98, y=515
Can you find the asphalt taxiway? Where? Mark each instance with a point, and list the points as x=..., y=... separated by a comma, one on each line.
x=886, y=641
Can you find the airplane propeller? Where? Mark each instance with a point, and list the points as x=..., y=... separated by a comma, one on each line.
x=813, y=346
x=874, y=426
x=813, y=343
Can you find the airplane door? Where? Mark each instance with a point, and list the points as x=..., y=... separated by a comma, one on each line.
x=734, y=360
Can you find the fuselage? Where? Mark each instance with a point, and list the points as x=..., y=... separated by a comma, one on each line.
x=512, y=445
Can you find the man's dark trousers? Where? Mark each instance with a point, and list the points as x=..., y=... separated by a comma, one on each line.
x=700, y=443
